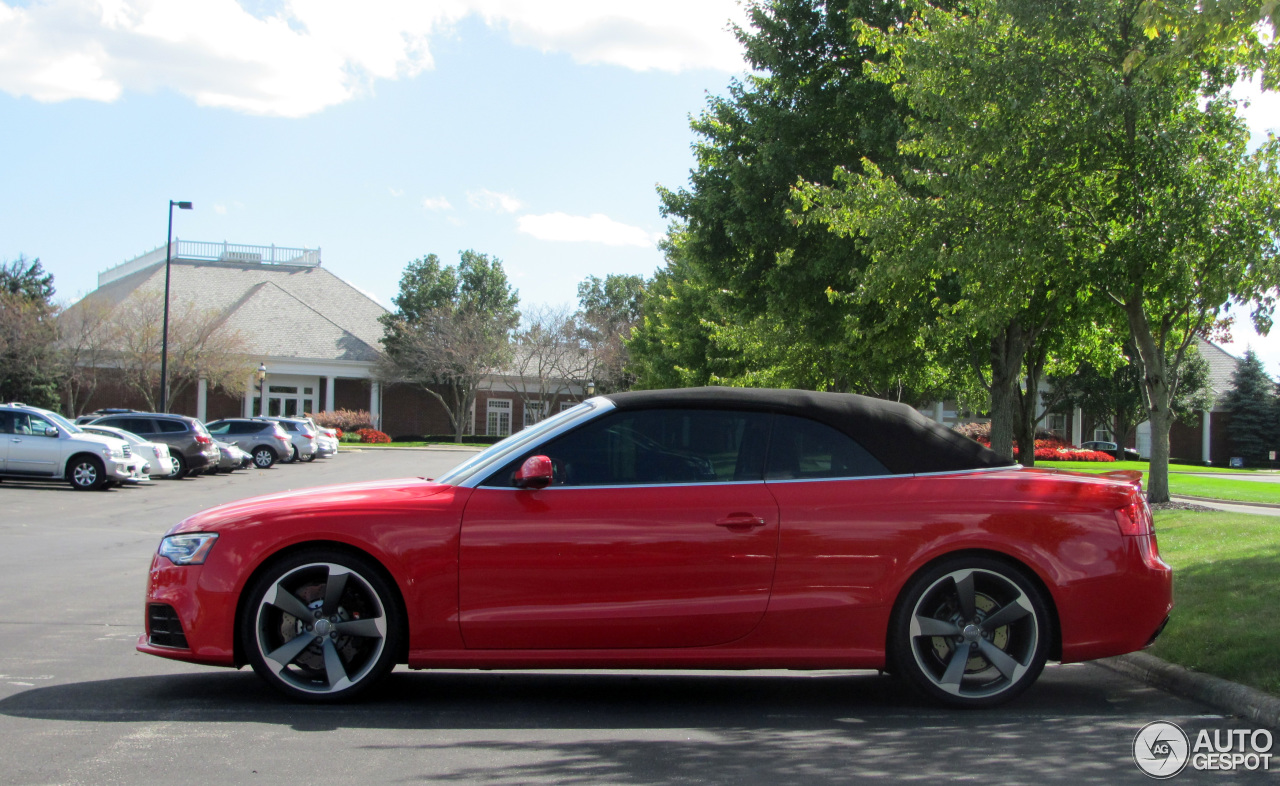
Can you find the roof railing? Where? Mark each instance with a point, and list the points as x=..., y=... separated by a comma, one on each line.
x=205, y=251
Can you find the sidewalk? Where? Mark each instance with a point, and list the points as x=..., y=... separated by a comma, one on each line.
x=1231, y=506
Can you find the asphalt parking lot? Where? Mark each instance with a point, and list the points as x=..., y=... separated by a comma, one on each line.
x=79, y=705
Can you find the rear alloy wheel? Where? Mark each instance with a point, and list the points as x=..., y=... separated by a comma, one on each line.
x=322, y=626
x=971, y=632
x=86, y=473
x=182, y=467
x=263, y=457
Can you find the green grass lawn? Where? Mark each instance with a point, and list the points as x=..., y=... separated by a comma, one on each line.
x=1226, y=595
x=1180, y=482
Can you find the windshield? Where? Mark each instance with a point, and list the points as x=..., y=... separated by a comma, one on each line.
x=501, y=451
x=63, y=423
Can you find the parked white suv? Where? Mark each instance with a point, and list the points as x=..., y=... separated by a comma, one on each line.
x=36, y=444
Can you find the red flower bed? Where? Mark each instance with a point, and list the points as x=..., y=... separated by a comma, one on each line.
x=370, y=436
x=1054, y=449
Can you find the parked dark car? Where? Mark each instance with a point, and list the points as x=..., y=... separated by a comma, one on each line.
x=265, y=440
x=188, y=440
x=1110, y=447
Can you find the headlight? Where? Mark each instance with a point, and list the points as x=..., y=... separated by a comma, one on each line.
x=188, y=548
x=113, y=451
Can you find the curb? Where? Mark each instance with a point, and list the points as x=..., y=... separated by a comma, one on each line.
x=1221, y=694
x=1228, y=501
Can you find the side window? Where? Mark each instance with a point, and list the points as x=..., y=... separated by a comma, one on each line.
x=171, y=426
x=34, y=425
x=244, y=428
x=6, y=422
x=136, y=425
x=661, y=446
x=803, y=449
x=219, y=428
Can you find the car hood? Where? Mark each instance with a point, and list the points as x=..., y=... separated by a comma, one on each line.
x=111, y=442
x=371, y=496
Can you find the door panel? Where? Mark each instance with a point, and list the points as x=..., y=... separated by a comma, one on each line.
x=30, y=451
x=600, y=568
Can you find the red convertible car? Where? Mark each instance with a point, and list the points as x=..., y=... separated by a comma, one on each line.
x=703, y=528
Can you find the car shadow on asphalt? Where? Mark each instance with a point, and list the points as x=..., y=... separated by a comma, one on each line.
x=650, y=727
x=509, y=700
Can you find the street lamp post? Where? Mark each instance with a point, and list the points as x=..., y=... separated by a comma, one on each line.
x=164, y=340
x=262, y=389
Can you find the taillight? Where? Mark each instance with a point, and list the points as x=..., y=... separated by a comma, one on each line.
x=308, y=436
x=282, y=437
x=1135, y=518
x=201, y=439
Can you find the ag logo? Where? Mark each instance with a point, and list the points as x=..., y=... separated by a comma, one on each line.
x=1161, y=749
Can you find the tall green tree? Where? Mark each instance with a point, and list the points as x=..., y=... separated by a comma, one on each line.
x=1135, y=171
x=608, y=310
x=1113, y=397
x=749, y=295
x=451, y=329
x=29, y=370
x=1252, y=404
x=964, y=237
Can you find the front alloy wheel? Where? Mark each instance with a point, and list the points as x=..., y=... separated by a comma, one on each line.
x=971, y=632
x=322, y=626
x=86, y=473
x=263, y=457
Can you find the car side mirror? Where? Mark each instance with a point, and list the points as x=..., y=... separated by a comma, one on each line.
x=534, y=473
x=51, y=431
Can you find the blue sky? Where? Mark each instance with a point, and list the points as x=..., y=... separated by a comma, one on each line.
x=535, y=132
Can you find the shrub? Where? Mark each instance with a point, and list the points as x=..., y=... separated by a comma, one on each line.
x=344, y=419
x=371, y=436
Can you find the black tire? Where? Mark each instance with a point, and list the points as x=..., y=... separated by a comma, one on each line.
x=183, y=471
x=264, y=457
x=86, y=473
x=310, y=458
x=293, y=455
x=322, y=625
x=971, y=631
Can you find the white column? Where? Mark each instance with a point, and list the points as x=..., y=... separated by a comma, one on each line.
x=1206, y=453
x=1077, y=426
x=375, y=404
x=202, y=400
x=939, y=411
x=248, y=397
x=328, y=394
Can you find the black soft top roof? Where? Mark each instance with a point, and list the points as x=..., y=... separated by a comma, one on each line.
x=900, y=437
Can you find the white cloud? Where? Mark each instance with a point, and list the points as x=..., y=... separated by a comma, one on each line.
x=220, y=209
x=436, y=203
x=484, y=199
x=664, y=35
x=310, y=54
x=596, y=228
x=396, y=192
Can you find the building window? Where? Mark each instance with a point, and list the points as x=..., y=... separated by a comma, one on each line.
x=533, y=412
x=1057, y=423
x=499, y=420
x=567, y=405
x=1102, y=434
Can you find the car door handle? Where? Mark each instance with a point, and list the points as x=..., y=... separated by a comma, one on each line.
x=741, y=521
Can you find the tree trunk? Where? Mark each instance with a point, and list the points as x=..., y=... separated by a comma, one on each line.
x=1027, y=403
x=1007, y=349
x=1157, y=395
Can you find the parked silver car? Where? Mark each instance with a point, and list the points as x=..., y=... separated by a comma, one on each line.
x=303, y=436
x=265, y=440
x=37, y=444
x=158, y=463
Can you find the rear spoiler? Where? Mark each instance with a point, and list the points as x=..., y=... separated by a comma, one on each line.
x=1131, y=476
